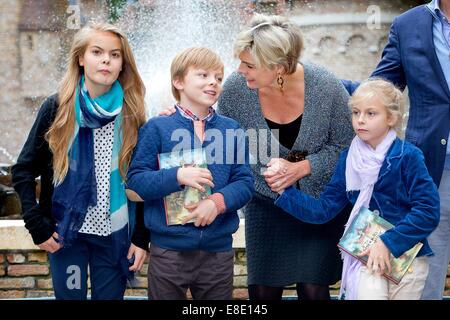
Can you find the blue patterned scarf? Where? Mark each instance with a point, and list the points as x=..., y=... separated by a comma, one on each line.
x=78, y=190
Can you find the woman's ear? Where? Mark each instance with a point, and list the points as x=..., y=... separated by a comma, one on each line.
x=81, y=61
x=280, y=69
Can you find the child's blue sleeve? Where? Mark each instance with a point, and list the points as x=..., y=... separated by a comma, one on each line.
x=144, y=176
x=423, y=218
x=317, y=211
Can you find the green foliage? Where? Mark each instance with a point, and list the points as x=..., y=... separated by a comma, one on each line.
x=115, y=9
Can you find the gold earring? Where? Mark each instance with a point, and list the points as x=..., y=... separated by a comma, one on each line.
x=280, y=82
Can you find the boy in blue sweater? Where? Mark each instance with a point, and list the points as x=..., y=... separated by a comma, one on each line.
x=198, y=255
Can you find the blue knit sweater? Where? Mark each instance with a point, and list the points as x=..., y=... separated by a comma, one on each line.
x=231, y=173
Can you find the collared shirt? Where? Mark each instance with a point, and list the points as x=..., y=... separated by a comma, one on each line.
x=190, y=115
x=199, y=129
x=441, y=39
x=444, y=21
x=199, y=124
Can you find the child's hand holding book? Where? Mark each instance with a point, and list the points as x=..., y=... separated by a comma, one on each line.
x=203, y=212
x=195, y=177
x=379, y=258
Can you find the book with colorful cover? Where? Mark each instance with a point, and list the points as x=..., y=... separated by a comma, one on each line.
x=175, y=203
x=364, y=230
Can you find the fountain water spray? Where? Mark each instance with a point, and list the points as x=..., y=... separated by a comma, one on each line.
x=162, y=29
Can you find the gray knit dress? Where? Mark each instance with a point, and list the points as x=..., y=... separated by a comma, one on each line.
x=280, y=249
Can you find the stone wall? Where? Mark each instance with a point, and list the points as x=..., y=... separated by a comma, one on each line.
x=34, y=41
x=10, y=106
x=25, y=272
x=38, y=59
x=336, y=36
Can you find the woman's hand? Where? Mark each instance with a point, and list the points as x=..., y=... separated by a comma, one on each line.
x=378, y=260
x=168, y=111
x=139, y=257
x=281, y=174
x=51, y=245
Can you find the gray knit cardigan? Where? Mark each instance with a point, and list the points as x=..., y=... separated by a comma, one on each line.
x=325, y=130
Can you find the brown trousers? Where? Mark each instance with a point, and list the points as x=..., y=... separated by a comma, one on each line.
x=208, y=275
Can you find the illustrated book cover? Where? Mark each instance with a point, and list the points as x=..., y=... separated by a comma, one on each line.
x=175, y=203
x=364, y=230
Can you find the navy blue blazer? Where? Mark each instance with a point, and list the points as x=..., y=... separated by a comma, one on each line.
x=409, y=59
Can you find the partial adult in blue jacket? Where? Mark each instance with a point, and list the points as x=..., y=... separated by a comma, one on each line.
x=387, y=175
x=418, y=57
x=199, y=255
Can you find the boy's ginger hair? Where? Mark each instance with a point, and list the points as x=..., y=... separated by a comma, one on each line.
x=197, y=57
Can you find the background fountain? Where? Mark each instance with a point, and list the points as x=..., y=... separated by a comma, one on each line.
x=336, y=36
x=40, y=32
x=36, y=35
x=163, y=28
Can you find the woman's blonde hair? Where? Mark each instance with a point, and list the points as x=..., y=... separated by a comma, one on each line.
x=390, y=96
x=271, y=41
x=196, y=57
x=133, y=111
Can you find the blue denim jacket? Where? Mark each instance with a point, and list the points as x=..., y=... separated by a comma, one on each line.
x=404, y=194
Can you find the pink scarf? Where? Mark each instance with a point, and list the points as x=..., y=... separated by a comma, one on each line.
x=361, y=173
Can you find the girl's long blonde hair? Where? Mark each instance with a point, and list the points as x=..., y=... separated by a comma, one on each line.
x=133, y=111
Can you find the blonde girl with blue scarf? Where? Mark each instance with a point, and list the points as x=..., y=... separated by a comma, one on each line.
x=81, y=145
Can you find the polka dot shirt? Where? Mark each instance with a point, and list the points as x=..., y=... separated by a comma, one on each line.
x=98, y=220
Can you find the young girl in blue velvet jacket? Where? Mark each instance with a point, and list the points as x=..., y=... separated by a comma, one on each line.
x=381, y=172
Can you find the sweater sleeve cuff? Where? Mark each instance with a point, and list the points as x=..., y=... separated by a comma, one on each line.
x=141, y=238
x=283, y=199
x=390, y=245
x=170, y=181
x=219, y=201
x=43, y=234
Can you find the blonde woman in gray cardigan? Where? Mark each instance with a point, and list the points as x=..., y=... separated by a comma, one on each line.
x=307, y=105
